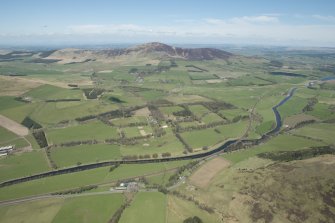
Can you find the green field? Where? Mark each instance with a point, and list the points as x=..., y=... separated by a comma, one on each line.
x=97, y=208
x=24, y=164
x=279, y=143
x=91, y=130
x=71, y=156
x=146, y=207
x=207, y=137
x=169, y=106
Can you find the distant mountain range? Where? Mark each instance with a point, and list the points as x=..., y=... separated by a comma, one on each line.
x=152, y=50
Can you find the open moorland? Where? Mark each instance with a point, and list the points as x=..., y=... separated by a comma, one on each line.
x=155, y=133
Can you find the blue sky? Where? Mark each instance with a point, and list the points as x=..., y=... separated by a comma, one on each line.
x=271, y=22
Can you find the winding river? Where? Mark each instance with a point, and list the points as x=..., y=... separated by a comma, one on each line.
x=219, y=149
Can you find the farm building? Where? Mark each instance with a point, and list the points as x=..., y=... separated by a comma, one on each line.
x=6, y=149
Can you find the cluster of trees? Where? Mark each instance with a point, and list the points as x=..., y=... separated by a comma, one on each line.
x=65, y=100
x=218, y=105
x=73, y=85
x=77, y=190
x=112, y=168
x=22, y=99
x=126, y=141
x=110, y=114
x=202, y=206
x=156, y=113
x=117, y=215
x=194, y=219
x=298, y=155
x=310, y=104
x=52, y=162
x=166, y=154
x=186, y=145
x=93, y=93
x=76, y=143
x=198, y=69
x=39, y=135
x=145, y=156
x=239, y=117
x=30, y=124
x=174, y=178
x=198, y=127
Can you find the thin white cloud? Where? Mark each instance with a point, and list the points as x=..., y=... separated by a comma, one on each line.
x=265, y=29
x=328, y=18
x=255, y=19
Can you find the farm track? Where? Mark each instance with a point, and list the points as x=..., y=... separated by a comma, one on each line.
x=228, y=144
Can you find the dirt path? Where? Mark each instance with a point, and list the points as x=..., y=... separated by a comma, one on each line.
x=202, y=176
x=13, y=126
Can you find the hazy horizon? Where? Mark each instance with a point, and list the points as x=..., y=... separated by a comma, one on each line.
x=41, y=23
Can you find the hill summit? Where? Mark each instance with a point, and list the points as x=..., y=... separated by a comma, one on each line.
x=154, y=50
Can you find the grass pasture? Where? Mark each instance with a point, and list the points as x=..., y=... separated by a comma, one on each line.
x=146, y=207
x=208, y=137
x=97, y=208
x=90, y=130
x=321, y=131
x=41, y=211
x=23, y=164
x=71, y=156
x=45, y=92
x=279, y=143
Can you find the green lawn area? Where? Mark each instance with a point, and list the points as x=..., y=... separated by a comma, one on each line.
x=146, y=207
x=211, y=117
x=208, y=137
x=131, y=131
x=292, y=107
x=152, y=95
x=323, y=131
x=19, y=112
x=51, y=113
x=199, y=110
x=165, y=143
x=91, y=130
x=44, y=92
x=70, y=156
x=18, y=142
x=230, y=114
x=322, y=111
x=23, y=164
x=54, y=183
x=279, y=143
x=170, y=109
x=40, y=211
x=6, y=136
x=97, y=208
x=131, y=170
x=265, y=127
x=127, y=121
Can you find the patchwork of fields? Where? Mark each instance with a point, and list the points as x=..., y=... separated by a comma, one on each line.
x=63, y=116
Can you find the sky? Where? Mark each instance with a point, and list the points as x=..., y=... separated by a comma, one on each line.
x=247, y=22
